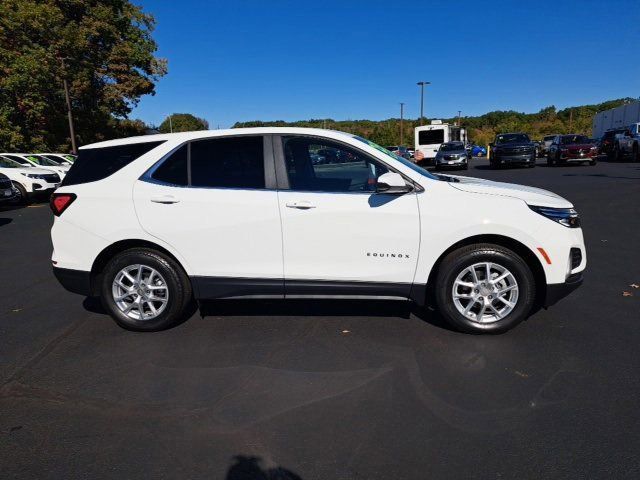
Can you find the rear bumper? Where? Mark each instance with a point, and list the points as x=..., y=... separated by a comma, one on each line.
x=557, y=291
x=75, y=281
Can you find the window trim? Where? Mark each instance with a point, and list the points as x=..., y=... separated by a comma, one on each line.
x=267, y=159
x=283, y=176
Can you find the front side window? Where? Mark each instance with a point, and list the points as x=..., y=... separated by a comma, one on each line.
x=231, y=162
x=7, y=163
x=320, y=165
x=19, y=160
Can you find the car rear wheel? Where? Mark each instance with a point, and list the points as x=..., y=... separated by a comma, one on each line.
x=145, y=290
x=484, y=288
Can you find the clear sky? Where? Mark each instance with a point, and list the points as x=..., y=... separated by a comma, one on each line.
x=240, y=60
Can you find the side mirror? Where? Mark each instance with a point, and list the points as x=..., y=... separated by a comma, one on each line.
x=392, y=183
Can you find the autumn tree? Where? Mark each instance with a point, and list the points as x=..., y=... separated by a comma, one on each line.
x=183, y=122
x=103, y=48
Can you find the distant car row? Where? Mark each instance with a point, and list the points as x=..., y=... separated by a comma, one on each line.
x=25, y=175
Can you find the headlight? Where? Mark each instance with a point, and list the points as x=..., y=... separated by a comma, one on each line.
x=34, y=175
x=564, y=216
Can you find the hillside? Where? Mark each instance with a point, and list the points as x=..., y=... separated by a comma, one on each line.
x=482, y=129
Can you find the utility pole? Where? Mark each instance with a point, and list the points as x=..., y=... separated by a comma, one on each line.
x=459, y=112
x=401, y=123
x=72, y=134
x=422, y=84
x=571, y=120
x=170, y=124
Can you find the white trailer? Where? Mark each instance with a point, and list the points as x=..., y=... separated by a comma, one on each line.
x=428, y=138
x=619, y=117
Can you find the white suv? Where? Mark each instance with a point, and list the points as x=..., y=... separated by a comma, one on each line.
x=27, y=180
x=150, y=223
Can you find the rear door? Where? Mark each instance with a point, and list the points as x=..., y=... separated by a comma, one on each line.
x=212, y=201
x=339, y=236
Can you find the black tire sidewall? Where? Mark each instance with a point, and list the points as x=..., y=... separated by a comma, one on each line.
x=179, y=292
x=455, y=262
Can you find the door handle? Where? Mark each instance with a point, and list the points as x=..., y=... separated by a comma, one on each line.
x=165, y=199
x=304, y=205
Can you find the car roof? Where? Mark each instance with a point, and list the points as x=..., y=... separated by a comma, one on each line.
x=200, y=134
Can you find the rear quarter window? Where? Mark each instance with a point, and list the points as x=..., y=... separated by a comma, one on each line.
x=95, y=164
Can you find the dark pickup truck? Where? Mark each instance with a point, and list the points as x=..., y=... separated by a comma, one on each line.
x=512, y=149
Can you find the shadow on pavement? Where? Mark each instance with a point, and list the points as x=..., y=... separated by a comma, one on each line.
x=249, y=468
x=302, y=308
x=5, y=221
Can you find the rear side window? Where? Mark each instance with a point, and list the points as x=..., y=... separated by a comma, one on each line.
x=95, y=164
x=174, y=169
x=234, y=162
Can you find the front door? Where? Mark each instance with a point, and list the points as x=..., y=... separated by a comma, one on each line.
x=339, y=236
x=209, y=201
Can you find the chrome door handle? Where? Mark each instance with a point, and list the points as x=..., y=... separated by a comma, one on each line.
x=165, y=199
x=301, y=205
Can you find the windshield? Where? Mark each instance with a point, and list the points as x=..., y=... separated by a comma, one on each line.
x=574, y=139
x=6, y=163
x=40, y=160
x=451, y=147
x=512, y=138
x=549, y=138
x=402, y=160
x=19, y=160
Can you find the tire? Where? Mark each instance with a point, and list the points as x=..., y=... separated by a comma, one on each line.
x=593, y=162
x=171, y=284
x=617, y=153
x=456, y=265
x=23, y=196
x=550, y=162
x=636, y=153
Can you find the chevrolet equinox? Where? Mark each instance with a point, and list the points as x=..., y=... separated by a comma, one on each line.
x=150, y=224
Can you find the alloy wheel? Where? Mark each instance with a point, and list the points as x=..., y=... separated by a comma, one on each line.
x=140, y=292
x=485, y=292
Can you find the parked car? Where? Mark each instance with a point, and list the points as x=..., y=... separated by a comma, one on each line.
x=607, y=144
x=452, y=155
x=546, y=143
x=60, y=158
x=628, y=143
x=33, y=160
x=149, y=225
x=7, y=191
x=512, y=149
x=478, y=151
x=29, y=181
x=572, y=149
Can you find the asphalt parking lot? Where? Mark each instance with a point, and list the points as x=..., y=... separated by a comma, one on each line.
x=329, y=390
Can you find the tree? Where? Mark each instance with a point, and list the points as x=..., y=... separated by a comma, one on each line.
x=183, y=122
x=103, y=48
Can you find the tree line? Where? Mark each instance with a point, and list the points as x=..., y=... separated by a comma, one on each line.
x=482, y=128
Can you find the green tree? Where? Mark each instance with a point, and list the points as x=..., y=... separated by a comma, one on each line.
x=183, y=122
x=103, y=48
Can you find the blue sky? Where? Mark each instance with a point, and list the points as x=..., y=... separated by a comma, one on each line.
x=290, y=60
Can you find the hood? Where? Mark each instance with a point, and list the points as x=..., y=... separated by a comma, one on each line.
x=38, y=170
x=531, y=195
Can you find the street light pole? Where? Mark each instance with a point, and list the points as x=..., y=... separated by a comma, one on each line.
x=401, y=123
x=170, y=124
x=422, y=84
x=72, y=134
x=459, y=112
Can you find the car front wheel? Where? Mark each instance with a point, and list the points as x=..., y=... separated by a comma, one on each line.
x=145, y=290
x=484, y=288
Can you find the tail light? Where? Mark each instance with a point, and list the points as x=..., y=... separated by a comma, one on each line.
x=60, y=202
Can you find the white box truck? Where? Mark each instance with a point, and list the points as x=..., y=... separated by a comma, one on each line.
x=619, y=117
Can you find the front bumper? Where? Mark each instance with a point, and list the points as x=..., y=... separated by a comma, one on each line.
x=75, y=281
x=454, y=162
x=557, y=291
x=511, y=159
